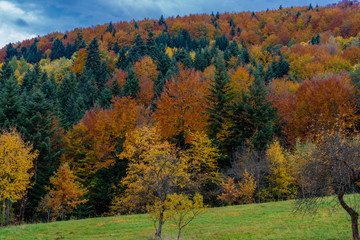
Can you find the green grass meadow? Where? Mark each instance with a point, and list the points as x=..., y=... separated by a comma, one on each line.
x=275, y=220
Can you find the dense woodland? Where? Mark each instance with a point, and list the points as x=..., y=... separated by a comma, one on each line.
x=120, y=116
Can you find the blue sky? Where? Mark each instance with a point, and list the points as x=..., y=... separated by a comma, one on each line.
x=23, y=19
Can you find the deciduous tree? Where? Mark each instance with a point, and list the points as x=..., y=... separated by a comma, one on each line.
x=16, y=160
x=65, y=194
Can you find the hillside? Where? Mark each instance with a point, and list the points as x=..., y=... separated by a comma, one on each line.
x=228, y=108
x=254, y=221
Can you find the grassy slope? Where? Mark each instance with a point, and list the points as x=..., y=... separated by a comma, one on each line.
x=256, y=221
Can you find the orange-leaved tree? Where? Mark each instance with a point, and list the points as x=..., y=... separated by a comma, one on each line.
x=182, y=107
x=318, y=104
x=93, y=143
x=64, y=195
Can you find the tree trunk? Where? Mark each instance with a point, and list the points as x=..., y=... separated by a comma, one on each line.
x=158, y=231
x=7, y=211
x=178, y=237
x=354, y=226
x=354, y=217
x=3, y=212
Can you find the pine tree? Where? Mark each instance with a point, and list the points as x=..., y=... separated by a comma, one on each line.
x=218, y=100
x=87, y=89
x=93, y=56
x=232, y=31
x=277, y=69
x=10, y=104
x=5, y=73
x=116, y=48
x=57, y=50
x=163, y=62
x=38, y=127
x=131, y=86
x=244, y=56
x=31, y=79
x=254, y=119
x=122, y=61
x=10, y=51
x=159, y=84
x=33, y=55
x=71, y=104
x=49, y=89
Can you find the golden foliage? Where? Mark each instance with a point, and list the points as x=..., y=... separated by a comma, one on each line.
x=181, y=210
x=281, y=176
x=16, y=160
x=247, y=188
x=240, y=82
x=201, y=159
x=154, y=169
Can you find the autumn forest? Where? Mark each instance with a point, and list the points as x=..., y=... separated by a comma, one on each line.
x=197, y=111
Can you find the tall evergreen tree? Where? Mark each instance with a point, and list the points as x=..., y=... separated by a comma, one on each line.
x=254, y=120
x=93, y=56
x=31, y=79
x=218, y=100
x=5, y=73
x=87, y=89
x=38, y=127
x=131, y=86
x=122, y=61
x=71, y=104
x=57, y=50
x=33, y=55
x=11, y=105
x=10, y=51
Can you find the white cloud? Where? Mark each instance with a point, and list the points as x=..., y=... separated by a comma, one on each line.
x=10, y=8
x=10, y=31
x=9, y=34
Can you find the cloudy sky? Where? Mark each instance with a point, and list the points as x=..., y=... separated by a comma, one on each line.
x=23, y=19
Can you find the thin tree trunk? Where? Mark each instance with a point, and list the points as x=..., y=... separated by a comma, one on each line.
x=3, y=212
x=158, y=231
x=354, y=217
x=7, y=211
x=178, y=237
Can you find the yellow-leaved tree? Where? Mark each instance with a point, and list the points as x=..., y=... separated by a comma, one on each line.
x=16, y=160
x=153, y=173
x=201, y=158
x=182, y=210
x=282, y=173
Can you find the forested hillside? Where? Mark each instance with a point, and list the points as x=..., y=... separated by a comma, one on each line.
x=123, y=115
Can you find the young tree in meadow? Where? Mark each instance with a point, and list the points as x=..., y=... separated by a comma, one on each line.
x=154, y=172
x=16, y=161
x=332, y=169
x=182, y=210
x=65, y=194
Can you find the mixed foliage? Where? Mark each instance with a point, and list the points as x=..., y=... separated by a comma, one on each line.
x=226, y=108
